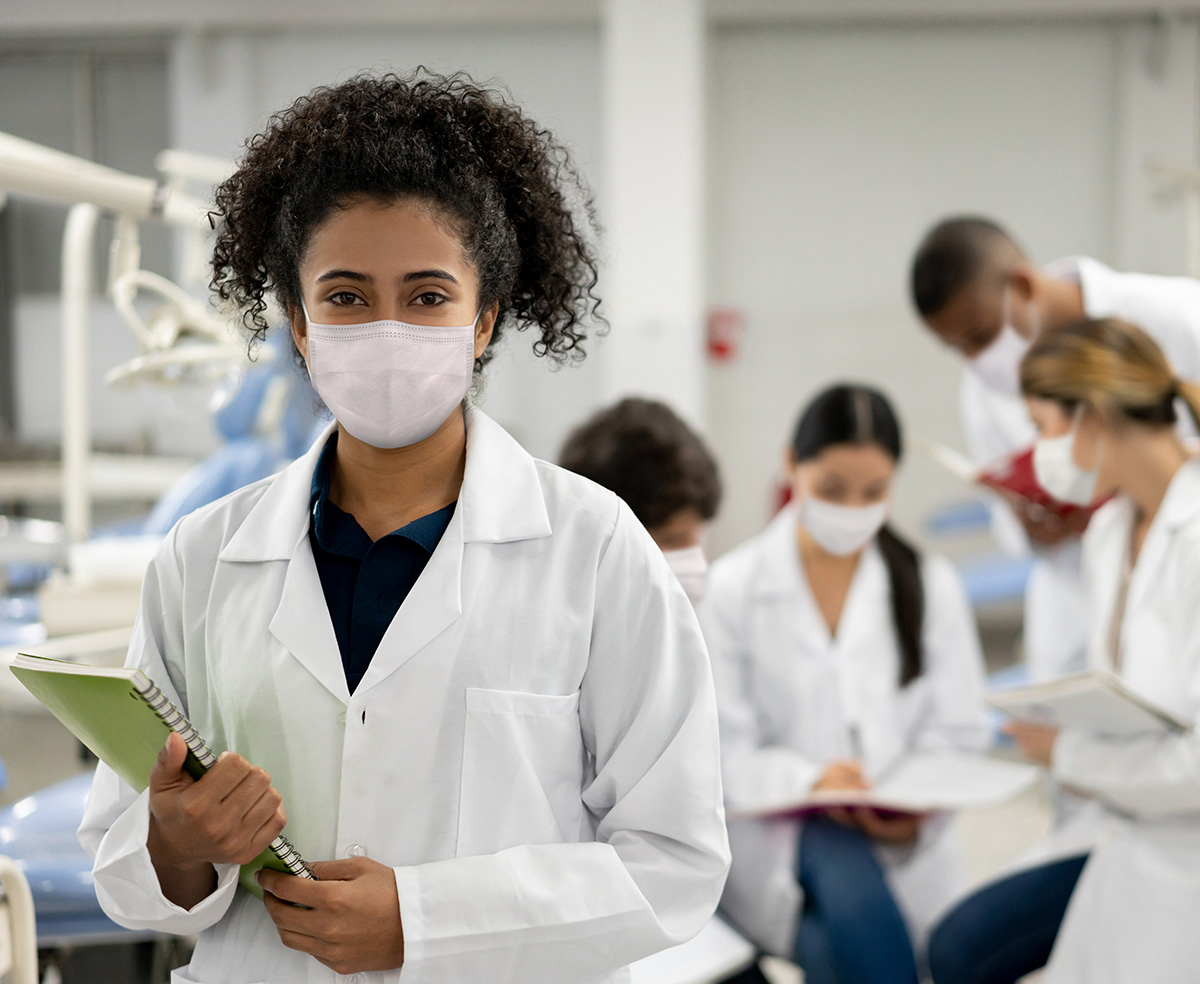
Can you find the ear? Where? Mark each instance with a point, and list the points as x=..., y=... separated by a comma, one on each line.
x=1023, y=281
x=299, y=329
x=789, y=462
x=485, y=327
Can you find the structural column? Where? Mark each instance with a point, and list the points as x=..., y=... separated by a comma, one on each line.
x=652, y=202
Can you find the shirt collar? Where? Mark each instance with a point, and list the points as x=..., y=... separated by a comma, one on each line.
x=338, y=532
x=501, y=499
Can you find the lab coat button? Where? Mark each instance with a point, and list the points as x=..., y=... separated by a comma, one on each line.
x=356, y=851
x=341, y=720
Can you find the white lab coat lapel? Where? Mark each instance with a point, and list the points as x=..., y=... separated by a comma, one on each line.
x=276, y=529
x=432, y=606
x=783, y=585
x=302, y=624
x=501, y=500
x=1179, y=505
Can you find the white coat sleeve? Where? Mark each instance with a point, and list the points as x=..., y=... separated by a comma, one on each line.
x=757, y=774
x=1153, y=776
x=116, y=818
x=953, y=664
x=988, y=441
x=653, y=876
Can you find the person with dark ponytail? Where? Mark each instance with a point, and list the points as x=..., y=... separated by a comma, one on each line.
x=837, y=648
x=1106, y=403
x=469, y=676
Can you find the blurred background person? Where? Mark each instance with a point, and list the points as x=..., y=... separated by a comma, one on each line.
x=1103, y=398
x=836, y=648
x=643, y=451
x=981, y=294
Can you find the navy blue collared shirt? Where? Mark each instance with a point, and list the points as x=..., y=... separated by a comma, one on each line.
x=365, y=583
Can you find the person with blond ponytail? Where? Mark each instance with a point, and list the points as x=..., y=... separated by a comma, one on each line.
x=1106, y=401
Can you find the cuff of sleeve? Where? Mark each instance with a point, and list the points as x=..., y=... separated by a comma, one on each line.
x=412, y=921
x=127, y=884
x=1068, y=759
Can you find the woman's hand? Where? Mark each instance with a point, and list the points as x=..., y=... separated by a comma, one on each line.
x=1035, y=741
x=899, y=829
x=352, y=920
x=228, y=815
x=843, y=774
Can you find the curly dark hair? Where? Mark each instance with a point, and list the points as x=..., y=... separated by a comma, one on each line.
x=502, y=182
x=644, y=452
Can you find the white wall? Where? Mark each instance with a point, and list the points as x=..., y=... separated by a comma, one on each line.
x=223, y=89
x=830, y=150
x=833, y=149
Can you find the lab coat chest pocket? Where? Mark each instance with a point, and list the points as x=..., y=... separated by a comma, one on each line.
x=522, y=771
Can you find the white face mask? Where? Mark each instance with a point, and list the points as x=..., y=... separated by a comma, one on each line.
x=1055, y=469
x=842, y=530
x=998, y=366
x=389, y=383
x=690, y=567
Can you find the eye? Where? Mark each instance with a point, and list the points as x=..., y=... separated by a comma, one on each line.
x=430, y=298
x=831, y=491
x=344, y=298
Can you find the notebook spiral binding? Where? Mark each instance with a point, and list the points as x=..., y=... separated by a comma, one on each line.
x=176, y=721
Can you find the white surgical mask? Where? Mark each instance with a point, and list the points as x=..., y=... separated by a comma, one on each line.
x=1055, y=469
x=842, y=530
x=389, y=383
x=690, y=568
x=998, y=366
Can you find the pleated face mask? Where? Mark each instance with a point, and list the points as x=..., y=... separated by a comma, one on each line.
x=1055, y=469
x=389, y=383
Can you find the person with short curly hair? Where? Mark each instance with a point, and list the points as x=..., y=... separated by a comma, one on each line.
x=642, y=450
x=471, y=678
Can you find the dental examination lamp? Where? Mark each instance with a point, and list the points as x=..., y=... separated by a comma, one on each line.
x=185, y=345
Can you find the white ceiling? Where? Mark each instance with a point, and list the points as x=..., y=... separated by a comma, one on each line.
x=32, y=18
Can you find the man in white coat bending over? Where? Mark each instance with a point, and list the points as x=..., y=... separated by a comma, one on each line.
x=978, y=291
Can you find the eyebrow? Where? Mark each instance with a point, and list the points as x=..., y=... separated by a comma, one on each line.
x=430, y=274
x=366, y=278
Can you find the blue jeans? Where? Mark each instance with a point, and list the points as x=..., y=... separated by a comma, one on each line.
x=851, y=930
x=1005, y=930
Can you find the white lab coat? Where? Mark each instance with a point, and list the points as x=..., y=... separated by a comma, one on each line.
x=1133, y=914
x=787, y=693
x=995, y=425
x=533, y=748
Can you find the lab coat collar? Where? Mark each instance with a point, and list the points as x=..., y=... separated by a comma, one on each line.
x=1096, y=281
x=501, y=497
x=780, y=574
x=1181, y=504
x=1179, y=507
x=501, y=500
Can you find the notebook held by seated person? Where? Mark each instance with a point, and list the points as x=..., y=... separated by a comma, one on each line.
x=1096, y=701
x=124, y=719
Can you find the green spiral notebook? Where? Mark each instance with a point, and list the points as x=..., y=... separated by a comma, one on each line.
x=124, y=719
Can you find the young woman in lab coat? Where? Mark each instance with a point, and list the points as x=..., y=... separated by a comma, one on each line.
x=836, y=648
x=469, y=676
x=1105, y=400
